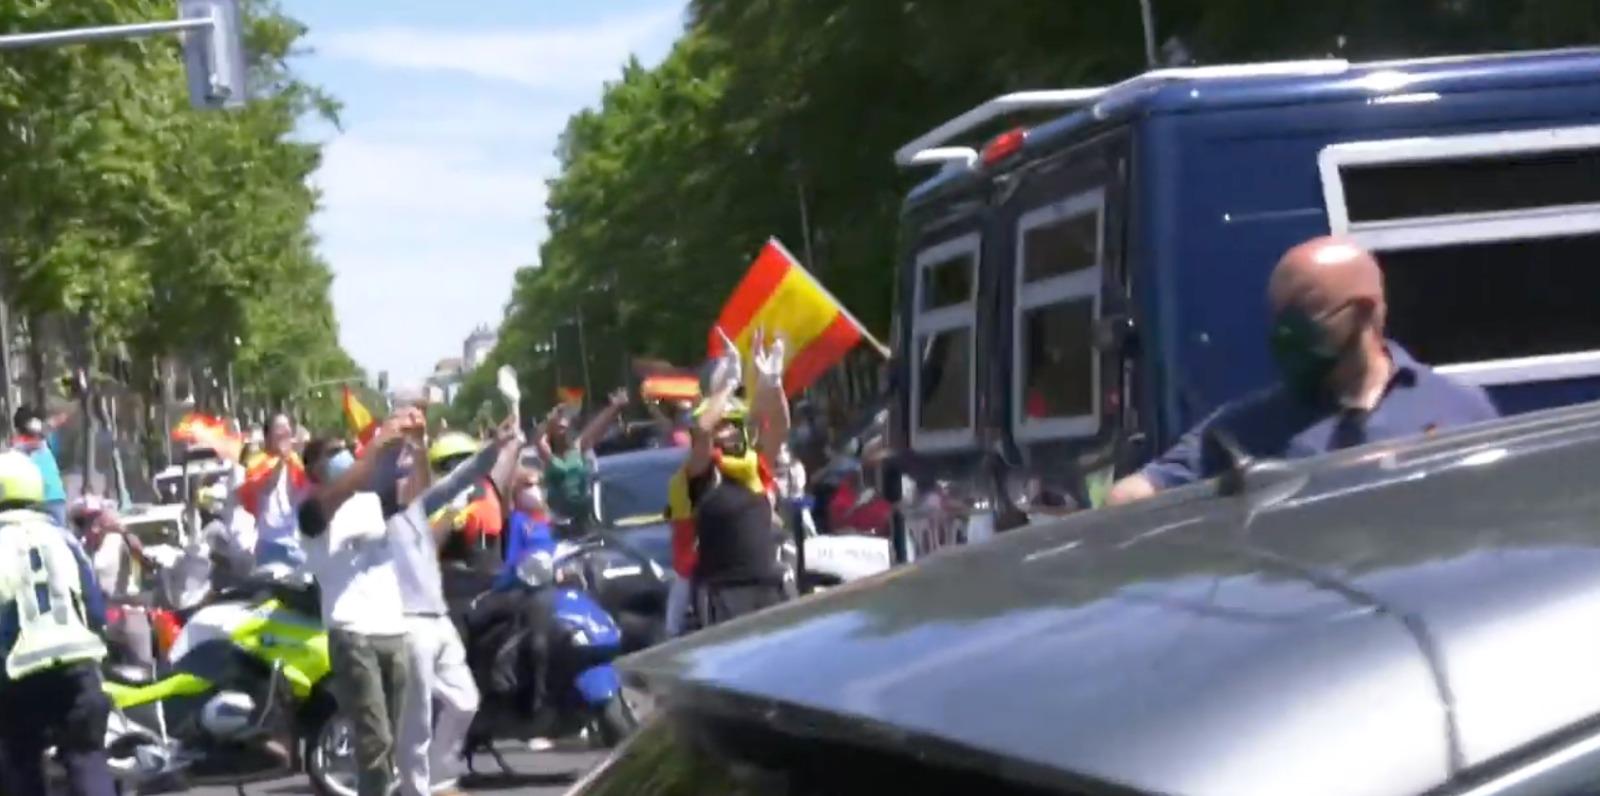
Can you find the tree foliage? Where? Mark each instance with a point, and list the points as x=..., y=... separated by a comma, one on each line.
x=156, y=229
x=771, y=116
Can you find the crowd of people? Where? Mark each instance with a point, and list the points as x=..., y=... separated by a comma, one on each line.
x=380, y=522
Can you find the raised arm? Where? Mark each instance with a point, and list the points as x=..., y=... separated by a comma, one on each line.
x=602, y=420
x=701, y=431
x=504, y=472
x=541, y=437
x=726, y=376
x=472, y=470
x=325, y=501
x=769, y=409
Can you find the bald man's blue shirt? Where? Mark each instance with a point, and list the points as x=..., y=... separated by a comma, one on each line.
x=1275, y=423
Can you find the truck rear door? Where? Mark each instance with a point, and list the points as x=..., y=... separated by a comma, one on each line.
x=1069, y=391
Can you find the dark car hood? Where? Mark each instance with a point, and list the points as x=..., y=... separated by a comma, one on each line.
x=1373, y=623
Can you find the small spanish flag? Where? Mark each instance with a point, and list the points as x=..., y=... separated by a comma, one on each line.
x=665, y=387
x=204, y=431
x=780, y=296
x=571, y=396
x=360, y=420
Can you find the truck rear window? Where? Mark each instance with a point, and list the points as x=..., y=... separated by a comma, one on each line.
x=943, y=336
x=1521, y=298
x=944, y=380
x=1384, y=192
x=1488, y=243
x=676, y=757
x=1059, y=272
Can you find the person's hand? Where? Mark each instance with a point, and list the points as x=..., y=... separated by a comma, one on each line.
x=769, y=358
x=393, y=431
x=728, y=373
x=619, y=398
x=414, y=424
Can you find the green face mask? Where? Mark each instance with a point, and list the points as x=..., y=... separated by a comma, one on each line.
x=1304, y=356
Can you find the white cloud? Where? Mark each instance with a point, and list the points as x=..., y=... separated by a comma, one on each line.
x=400, y=182
x=549, y=58
x=434, y=195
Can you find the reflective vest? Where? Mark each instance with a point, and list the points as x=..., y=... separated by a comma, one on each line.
x=41, y=579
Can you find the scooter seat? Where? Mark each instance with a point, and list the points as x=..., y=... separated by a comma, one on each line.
x=129, y=674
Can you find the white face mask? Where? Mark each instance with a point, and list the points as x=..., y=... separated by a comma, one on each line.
x=530, y=497
x=36, y=427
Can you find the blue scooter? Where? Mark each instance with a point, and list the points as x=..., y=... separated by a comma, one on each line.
x=570, y=641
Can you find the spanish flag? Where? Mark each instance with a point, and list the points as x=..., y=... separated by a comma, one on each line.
x=670, y=387
x=204, y=431
x=783, y=298
x=360, y=420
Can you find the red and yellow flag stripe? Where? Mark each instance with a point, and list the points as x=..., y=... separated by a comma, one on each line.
x=780, y=296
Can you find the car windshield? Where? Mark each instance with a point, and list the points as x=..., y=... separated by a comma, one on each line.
x=677, y=756
x=636, y=491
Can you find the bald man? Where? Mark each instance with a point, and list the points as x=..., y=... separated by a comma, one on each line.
x=1341, y=382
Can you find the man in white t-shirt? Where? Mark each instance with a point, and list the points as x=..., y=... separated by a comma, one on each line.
x=443, y=696
x=342, y=527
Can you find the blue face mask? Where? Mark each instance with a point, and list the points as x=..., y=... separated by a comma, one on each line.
x=337, y=465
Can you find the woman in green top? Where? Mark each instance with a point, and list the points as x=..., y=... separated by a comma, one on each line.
x=566, y=465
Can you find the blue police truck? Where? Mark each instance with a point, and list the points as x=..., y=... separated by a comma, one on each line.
x=1075, y=295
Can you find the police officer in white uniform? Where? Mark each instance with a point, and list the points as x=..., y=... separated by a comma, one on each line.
x=50, y=613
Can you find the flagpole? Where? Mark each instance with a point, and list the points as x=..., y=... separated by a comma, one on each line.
x=866, y=335
x=1148, y=15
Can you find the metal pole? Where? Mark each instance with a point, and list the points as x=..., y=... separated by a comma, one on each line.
x=805, y=219
x=583, y=358
x=6, y=398
x=49, y=38
x=1149, y=15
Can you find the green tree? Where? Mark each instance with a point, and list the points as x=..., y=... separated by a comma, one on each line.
x=780, y=117
x=155, y=231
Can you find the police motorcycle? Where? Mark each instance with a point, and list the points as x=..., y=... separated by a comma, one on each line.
x=542, y=656
x=241, y=696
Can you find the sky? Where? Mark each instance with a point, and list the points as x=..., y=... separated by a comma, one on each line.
x=433, y=188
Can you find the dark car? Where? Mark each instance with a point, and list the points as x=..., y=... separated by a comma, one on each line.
x=630, y=497
x=628, y=558
x=1410, y=617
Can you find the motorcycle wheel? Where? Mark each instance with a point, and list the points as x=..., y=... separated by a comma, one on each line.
x=331, y=757
x=615, y=722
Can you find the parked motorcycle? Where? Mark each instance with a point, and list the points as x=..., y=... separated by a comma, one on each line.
x=625, y=581
x=244, y=697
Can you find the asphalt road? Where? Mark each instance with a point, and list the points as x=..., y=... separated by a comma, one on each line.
x=537, y=773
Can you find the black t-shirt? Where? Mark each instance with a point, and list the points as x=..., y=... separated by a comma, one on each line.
x=734, y=528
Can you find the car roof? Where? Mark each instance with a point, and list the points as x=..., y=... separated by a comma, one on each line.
x=1377, y=621
x=1354, y=81
x=644, y=459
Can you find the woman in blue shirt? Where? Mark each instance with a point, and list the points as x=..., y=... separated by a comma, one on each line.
x=529, y=530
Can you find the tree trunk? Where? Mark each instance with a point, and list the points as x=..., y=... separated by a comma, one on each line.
x=87, y=409
x=36, y=363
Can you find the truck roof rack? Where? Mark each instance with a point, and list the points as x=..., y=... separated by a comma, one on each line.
x=928, y=148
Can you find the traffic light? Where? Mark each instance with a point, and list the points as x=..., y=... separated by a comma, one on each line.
x=383, y=382
x=214, y=57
